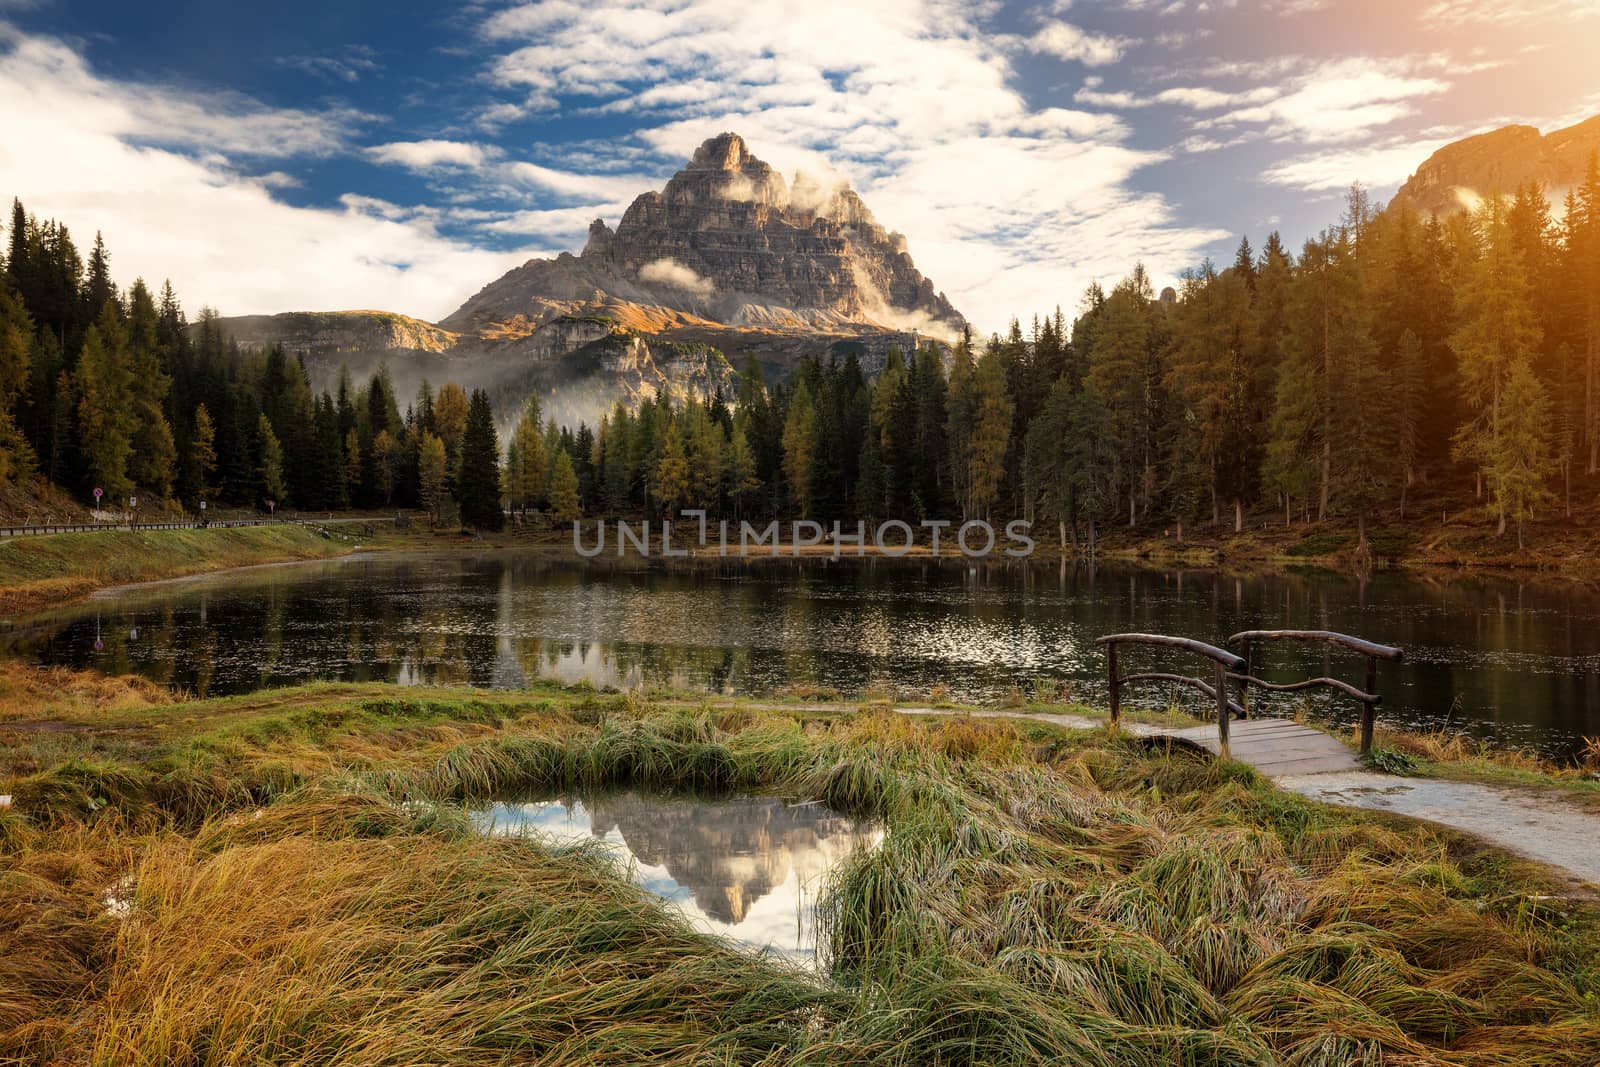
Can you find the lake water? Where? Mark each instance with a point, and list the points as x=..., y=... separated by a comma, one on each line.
x=1517, y=662
x=747, y=868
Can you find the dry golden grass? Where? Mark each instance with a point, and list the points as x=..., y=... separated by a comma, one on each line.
x=293, y=881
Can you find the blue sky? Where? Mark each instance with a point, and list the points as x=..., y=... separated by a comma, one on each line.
x=339, y=155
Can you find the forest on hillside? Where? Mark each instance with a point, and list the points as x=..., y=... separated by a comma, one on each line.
x=1389, y=351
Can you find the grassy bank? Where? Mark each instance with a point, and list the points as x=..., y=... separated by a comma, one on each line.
x=41, y=572
x=288, y=877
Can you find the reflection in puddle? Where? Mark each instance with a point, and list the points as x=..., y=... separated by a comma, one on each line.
x=748, y=868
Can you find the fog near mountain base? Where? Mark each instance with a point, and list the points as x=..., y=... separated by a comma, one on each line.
x=670, y=272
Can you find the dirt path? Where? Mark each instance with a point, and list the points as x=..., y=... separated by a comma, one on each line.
x=1538, y=827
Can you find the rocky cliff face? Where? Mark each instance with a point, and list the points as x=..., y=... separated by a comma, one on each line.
x=728, y=241
x=727, y=261
x=1459, y=174
x=332, y=332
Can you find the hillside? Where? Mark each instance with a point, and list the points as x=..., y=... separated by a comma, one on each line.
x=1457, y=175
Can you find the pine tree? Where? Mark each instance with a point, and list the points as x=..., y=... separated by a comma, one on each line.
x=743, y=481
x=1585, y=255
x=17, y=458
x=1125, y=376
x=706, y=455
x=1498, y=332
x=97, y=286
x=103, y=385
x=1520, y=469
x=527, y=483
x=478, y=488
x=155, y=454
x=433, y=468
x=564, y=507
x=669, y=484
x=800, y=447
x=386, y=464
x=202, y=455
x=991, y=433
x=270, y=484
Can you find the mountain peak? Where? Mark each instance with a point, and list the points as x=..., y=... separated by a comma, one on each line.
x=727, y=241
x=725, y=151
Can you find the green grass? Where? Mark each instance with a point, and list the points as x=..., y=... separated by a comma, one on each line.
x=301, y=885
x=37, y=572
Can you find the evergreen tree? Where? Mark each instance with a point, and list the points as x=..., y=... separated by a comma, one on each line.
x=564, y=490
x=201, y=460
x=270, y=485
x=1523, y=462
x=669, y=484
x=991, y=432
x=103, y=385
x=479, y=481
x=433, y=468
x=1498, y=332
x=526, y=483
x=799, y=447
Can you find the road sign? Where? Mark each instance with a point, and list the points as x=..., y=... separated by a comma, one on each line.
x=98, y=493
x=272, y=507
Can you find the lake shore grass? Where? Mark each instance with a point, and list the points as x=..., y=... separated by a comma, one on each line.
x=290, y=876
x=47, y=571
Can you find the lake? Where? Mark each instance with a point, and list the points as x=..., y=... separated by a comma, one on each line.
x=1513, y=661
x=750, y=869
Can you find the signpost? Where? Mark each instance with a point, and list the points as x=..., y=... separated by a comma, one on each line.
x=272, y=507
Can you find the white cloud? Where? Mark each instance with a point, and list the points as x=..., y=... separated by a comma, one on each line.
x=1009, y=206
x=114, y=159
x=671, y=273
x=1066, y=41
x=428, y=155
x=1505, y=12
x=1380, y=166
x=44, y=74
x=1340, y=99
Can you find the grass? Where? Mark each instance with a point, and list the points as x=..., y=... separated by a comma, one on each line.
x=40, y=572
x=289, y=877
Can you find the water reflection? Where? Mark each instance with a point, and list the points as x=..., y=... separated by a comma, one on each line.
x=749, y=869
x=1518, y=662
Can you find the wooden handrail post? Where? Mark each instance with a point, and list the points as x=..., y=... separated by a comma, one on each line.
x=1244, y=683
x=1116, y=684
x=1222, y=707
x=1367, y=706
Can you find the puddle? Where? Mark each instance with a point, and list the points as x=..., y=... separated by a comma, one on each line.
x=746, y=868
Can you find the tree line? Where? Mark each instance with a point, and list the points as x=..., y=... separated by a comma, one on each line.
x=1388, y=352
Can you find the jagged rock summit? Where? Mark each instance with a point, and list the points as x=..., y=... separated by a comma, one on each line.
x=728, y=241
x=1457, y=175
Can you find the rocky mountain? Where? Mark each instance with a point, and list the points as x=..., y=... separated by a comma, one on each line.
x=1457, y=175
x=727, y=261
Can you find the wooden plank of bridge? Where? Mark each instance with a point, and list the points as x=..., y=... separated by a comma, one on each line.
x=1272, y=746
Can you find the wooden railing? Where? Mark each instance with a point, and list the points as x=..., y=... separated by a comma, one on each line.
x=1224, y=662
x=1230, y=667
x=1368, y=698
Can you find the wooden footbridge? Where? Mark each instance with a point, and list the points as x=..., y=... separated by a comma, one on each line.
x=1276, y=747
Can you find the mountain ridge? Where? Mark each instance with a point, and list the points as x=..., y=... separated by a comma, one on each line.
x=727, y=259
x=1457, y=176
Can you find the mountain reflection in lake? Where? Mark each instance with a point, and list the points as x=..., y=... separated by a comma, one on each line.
x=1514, y=661
x=749, y=868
